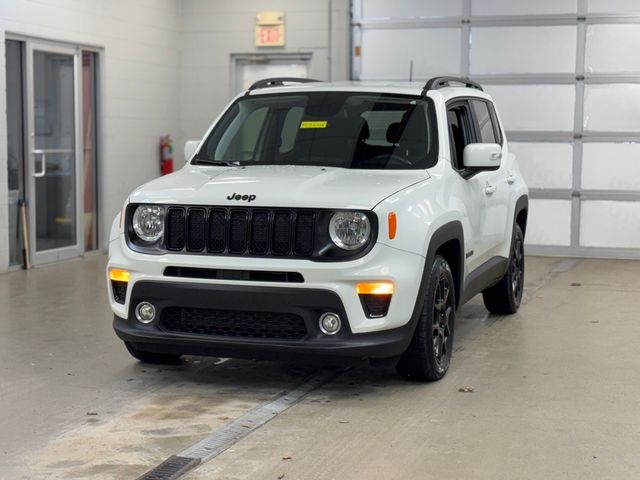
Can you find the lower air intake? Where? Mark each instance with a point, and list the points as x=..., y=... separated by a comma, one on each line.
x=233, y=323
x=375, y=306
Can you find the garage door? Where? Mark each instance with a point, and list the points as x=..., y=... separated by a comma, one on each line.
x=566, y=77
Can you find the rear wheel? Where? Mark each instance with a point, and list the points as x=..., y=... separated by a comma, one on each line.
x=505, y=296
x=151, y=357
x=428, y=356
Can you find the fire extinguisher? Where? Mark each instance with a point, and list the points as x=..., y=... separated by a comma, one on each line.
x=166, y=155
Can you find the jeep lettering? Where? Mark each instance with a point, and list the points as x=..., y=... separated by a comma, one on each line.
x=237, y=196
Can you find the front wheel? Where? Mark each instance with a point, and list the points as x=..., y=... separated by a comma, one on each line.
x=505, y=296
x=151, y=357
x=428, y=356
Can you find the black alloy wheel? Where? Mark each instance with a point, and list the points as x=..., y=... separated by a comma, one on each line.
x=504, y=297
x=443, y=308
x=428, y=356
x=516, y=265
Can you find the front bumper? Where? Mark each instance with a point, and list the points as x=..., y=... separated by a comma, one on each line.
x=382, y=263
x=307, y=303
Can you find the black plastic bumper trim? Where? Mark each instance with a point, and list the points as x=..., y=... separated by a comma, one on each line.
x=228, y=274
x=306, y=302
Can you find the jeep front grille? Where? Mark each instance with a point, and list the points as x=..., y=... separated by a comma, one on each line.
x=241, y=231
x=248, y=231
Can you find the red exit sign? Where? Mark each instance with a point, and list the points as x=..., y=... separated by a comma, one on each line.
x=270, y=29
x=270, y=36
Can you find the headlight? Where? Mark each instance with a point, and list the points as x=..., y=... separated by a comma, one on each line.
x=349, y=230
x=148, y=222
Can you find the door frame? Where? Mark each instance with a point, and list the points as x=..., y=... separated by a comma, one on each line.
x=49, y=45
x=239, y=59
x=77, y=249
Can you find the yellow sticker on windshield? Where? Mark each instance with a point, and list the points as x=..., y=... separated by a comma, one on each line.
x=316, y=124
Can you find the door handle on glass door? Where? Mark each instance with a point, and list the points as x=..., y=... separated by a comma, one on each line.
x=43, y=152
x=43, y=163
x=489, y=190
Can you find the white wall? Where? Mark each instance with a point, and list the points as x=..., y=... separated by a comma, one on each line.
x=213, y=30
x=165, y=68
x=139, y=82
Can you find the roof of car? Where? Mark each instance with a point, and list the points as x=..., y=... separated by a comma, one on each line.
x=401, y=88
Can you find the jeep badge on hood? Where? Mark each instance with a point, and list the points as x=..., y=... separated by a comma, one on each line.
x=237, y=196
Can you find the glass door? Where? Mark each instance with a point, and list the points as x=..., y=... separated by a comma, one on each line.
x=53, y=166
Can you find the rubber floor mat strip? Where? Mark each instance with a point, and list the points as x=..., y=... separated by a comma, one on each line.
x=216, y=443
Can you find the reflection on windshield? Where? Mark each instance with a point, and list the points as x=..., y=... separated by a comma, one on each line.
x=336, y=129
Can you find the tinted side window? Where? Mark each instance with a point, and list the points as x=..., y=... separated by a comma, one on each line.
x=485, y=122
x=460, y=132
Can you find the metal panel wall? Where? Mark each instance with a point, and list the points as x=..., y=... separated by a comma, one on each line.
x=566, y=77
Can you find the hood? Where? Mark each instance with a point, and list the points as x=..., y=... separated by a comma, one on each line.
x=277, y=186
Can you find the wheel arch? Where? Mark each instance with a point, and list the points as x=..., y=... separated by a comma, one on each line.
x=448, y=242
x=521, y=213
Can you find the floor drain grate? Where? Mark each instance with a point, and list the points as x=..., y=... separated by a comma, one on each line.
x=216, y=443
x=172, y=468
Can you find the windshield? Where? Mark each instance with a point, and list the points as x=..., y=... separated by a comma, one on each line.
x=333, y=129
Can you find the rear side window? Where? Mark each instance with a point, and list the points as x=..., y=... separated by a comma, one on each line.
x=378, y=123
x=485, y=116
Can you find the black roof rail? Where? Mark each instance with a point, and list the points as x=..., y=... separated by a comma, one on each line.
x=440, y=82
x=279, y=81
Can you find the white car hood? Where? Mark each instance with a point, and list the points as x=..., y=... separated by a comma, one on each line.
x=278, y=186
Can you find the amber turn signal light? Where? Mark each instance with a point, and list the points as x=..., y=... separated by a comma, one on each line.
x=119, y=275
x=375, y=288
x=393, y=225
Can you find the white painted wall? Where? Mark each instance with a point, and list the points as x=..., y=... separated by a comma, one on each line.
x=213, y=30
x=165, y=68
x=139, y=85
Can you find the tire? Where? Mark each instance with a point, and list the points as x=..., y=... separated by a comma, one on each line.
x=505, y=296
x=428, y=356
x=152, y=357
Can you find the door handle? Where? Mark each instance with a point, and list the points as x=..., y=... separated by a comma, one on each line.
x=43, y=164
x=489, y=190
x=43, y=159
x=510, y=178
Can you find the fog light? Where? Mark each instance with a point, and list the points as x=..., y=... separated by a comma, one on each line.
x=330, y=323
x=145, y=312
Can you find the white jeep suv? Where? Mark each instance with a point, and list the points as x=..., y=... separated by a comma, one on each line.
x=325, y=220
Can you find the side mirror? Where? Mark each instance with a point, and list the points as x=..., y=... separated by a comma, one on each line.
x=190, y=148
x=484, y=156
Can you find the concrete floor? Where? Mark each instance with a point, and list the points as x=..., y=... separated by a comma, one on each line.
x=556, y=392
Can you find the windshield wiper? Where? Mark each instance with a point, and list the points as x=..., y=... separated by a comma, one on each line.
x=208, y=161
